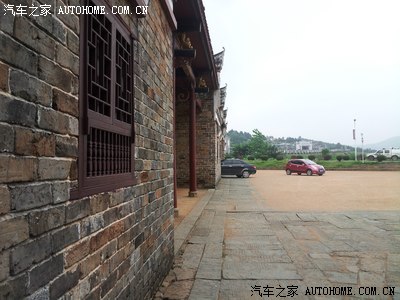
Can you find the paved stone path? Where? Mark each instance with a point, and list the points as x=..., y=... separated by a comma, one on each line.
x=238, y=251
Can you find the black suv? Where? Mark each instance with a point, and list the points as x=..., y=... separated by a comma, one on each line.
x=237, y=167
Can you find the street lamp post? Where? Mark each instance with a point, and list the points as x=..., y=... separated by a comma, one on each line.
x=362, y=147
x=355, y=140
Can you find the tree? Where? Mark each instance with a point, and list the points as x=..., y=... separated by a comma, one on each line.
x=260, y=147
x=325, y=152
x=258, y=144
x=238, y=137
x=240, y=150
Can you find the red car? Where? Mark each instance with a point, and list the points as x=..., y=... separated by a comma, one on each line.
x=307, y=166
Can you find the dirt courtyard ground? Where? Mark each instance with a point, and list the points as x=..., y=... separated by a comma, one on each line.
x=335, y=191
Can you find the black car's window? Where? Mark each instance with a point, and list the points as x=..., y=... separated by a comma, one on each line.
x=232, y=162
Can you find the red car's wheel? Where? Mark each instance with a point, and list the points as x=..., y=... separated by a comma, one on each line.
x=288, y=172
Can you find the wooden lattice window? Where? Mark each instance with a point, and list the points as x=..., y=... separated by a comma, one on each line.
x=106, y=142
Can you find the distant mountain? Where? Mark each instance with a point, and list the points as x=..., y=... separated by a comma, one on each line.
x=389, y=143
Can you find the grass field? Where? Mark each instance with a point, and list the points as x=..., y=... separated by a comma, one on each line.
x=273, y=164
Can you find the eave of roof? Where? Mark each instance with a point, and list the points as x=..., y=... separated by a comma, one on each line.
x=204, y=64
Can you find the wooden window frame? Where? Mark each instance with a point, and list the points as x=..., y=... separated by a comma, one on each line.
x=89, y=119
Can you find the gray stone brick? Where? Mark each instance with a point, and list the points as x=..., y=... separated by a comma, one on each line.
x=4, y=265
x=95, y=294
x=110, y=216
x=42, y=294
x=13, y=232
x=107, y=284
x=14, y=288
x=99, y=203
x=25, y=197
x=17, y=55
x=117, y=198
x=64, y=237
x=51, y=25
x=15, y=111
x=25, y=255
x=67, y=59
x=45, y=272
x=53, y=120
x=73, y=42
x=46, y=220
x=65, y=103
x=92, y=224
x=5, y=200
x=6, y=138
x=61, y=192
x=6, y=21
x=77, y=210
x=73, y=128
x=54, y=74
x=77, y=253
x=34, y=143
x=64, y=283
x=4, y=77
x=34, y=38
x=17, y=169
x=72, y=21
x=29, y=88
x=49, y=168
x=66, y=146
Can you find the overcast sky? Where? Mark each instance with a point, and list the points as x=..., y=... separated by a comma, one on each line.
x=310, y=67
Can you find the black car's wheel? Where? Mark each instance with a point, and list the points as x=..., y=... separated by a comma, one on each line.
x=288, y=172
x=309, y=172
x=245, y=174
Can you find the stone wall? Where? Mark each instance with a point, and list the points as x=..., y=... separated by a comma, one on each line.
x=208, y=167
x=206, y=143
x=111, y=245
x=182, y=143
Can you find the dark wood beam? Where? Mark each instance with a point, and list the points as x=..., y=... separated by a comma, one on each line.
x=189, y=26
x=186, y=53
x=201, y=90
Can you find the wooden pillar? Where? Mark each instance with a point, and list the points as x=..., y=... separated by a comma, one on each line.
x=192, y=145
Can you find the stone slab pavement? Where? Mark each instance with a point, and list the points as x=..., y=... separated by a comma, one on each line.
x=230, y=247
